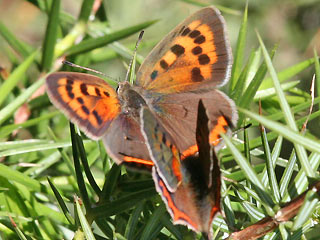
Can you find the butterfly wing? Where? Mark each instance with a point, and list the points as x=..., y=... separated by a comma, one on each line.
x=215, y=187
x=180, y=203
x=178, y=114
x=196, y=200
x=202, y=138
x=195, y=55
x=192, y=203
x=94, y=106
x=162, y=149
x=125, y=144
x=85, y=99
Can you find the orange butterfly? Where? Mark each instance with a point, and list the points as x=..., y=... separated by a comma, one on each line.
x=190, y=63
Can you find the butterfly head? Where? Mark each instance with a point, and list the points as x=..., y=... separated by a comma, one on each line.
x=131, y=100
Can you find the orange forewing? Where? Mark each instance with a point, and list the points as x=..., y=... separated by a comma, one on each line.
x=195, y=55
x=87, y=100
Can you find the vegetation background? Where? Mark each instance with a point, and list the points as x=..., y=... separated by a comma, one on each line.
x=38, y=177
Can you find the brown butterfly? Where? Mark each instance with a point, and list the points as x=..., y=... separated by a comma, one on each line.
x=190, y=63
x=189, y=185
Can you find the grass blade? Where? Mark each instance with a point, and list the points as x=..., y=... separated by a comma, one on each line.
x=253, y=212
x=238, y=56
x=104, y=226
x=62, y=205
x=302, y=154
x=306, y=209
x=20, y=47
x=133, y=221
x=240, y=84
x=69, y=40
x=84, y=223
x=270, y=166
x=255, y=83
x=287, y=174
x=230, y=216
x=16, y=76
x=85, y=165
x=21, y=178
x=18, y=231
x=317, y=71
x=86, y=9
x=123, y=203
x=283, y=130
x=8, y=110
x=167, y=223
x=271, y=92
x=8, y=129
x=282, y=100
x=251, y=175
x=50, y=36
x=34, y=148
x=300, y=182
x=63, y=155
x=288, y=72
x=80, y=179
x=251, y=90
x=43, y=165
x=110, y=183
x=93, y=43
x=153, y=222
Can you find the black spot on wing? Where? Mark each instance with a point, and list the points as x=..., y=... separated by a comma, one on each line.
x=106, y=94
x=97, y=90
x=199, y=40
x=80, y=100
x=69, y=81
x=84, y=89
x=196, y=75
x=164, y=64
x=185, y=31
x=194, y=34
x=178, y=50
x=98, y=118
x=85, y=110
x=154, y=75
x=69, y=91
x=196, y=50
x=203, y=59
x=182, y=29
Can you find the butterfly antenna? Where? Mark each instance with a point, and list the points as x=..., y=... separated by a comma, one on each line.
x=88, y=69
x=241, y=129
x=236, y=131
x=134, y=53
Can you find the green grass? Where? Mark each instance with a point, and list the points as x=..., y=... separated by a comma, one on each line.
x=54, y=184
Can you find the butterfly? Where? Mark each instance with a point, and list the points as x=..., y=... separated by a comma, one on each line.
x=190, y=63
x=189, y=185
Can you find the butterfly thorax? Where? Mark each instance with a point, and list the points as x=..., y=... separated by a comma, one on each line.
x=130, y=99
